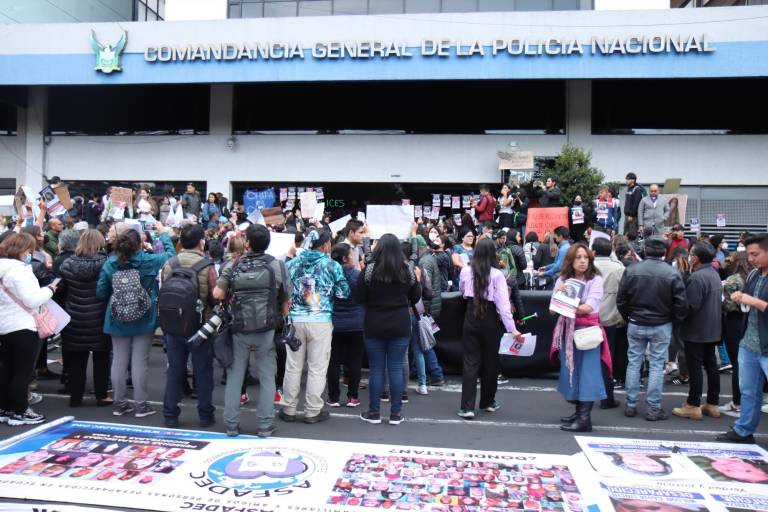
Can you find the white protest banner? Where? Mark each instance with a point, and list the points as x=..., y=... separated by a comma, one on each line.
x=7, y=208
x=673, y=460
x=417, y=211
x=597, y=234
x=280, y=244
x=695, y=225
x=161, y=469
x=283, y=194
x=523, y=347
x=256, y=217
x=319, y=193
x=446, y=201
x=465, y=201
x=395, y=219
x=292, y=193
x=319, y=211
x=436, y=200
x=720, y=220
x=455, y=202
x=339, y=224
x=308, y=204
x=427, y=212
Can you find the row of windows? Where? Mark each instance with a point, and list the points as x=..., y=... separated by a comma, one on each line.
x=700, y=106
x=289, y=8
x=150, y=10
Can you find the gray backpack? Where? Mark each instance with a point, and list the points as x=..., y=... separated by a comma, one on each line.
x=254, y=287
x=130, y=301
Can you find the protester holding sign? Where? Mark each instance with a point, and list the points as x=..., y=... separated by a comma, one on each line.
x=485, y=289
x=581, y=380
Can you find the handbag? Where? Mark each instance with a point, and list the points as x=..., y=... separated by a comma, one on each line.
x=45, y=322
x=427, y=339
x=288, y=337
x=588, y=337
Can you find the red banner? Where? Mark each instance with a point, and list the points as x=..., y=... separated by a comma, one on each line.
x=545, y=220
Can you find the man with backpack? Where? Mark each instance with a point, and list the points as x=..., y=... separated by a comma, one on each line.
x=260, y=296
x=184, y=304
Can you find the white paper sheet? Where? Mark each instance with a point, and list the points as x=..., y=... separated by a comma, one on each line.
x=339, y=224
x=511, y=346
x=395, y=219
x=279, y=244
x=308, y=204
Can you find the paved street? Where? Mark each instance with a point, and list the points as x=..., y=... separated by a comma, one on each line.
x=526, y=422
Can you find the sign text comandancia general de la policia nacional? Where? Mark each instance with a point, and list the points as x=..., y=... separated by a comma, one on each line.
x=631, y=45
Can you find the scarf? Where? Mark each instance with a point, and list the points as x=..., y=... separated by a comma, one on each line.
x=563, y=332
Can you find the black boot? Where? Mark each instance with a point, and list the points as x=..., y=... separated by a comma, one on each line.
x=570, y=419
x=583, y=421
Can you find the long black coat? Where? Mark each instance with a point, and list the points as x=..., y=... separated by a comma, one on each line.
x=85, y=330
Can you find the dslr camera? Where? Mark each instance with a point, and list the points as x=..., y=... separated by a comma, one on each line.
x=209, y=329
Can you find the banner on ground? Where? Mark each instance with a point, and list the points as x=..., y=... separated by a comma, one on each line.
x=677, y=460
x=162, y=469
x=395, y=219
x=545, y=220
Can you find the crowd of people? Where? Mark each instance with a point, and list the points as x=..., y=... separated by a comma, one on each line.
x=653, y=304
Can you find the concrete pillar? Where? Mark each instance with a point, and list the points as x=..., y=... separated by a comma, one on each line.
x=32, y=128
x=221, y=131
x=578, y=105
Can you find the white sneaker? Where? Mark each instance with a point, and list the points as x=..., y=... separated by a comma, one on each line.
x=28, y=417
x=35, y=398
x=422, y=389
x=670, y=367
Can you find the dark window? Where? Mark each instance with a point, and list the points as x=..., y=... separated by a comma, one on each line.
x=717, y=106
x=8, y=119
x=471, y=107
x=128, y=110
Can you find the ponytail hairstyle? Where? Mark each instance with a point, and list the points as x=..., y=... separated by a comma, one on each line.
x=483, y=261
x=128, y=244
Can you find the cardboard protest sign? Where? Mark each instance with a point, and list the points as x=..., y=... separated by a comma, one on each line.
x=516, y=160
x=308, y=204
x=545, y=220
x=62, y=192
x=395, y=219
x=677, y=207
x=24, y=195
x=273, y=216
x=121, y=195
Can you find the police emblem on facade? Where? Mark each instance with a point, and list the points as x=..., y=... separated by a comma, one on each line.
x=108, y=56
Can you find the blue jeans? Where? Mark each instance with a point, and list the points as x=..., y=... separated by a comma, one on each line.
x=387, y=354
x=178, y=351
x=418, y=355
x=657, y=339
x=433, y=367
x=753, y=369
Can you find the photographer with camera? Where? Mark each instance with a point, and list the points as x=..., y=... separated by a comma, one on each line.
x=260, y=296
x=549, y=195
x=185, y=302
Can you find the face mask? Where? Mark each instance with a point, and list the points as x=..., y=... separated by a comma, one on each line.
x=28, y=259
x=432, y=237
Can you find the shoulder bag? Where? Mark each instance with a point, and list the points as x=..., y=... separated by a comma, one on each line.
x=45, y=322
x=588, y=337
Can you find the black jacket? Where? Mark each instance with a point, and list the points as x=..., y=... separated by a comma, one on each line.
x=705, y=304
x=652, y=293
x=632, y=200
x=85, y=330
x=550, y=197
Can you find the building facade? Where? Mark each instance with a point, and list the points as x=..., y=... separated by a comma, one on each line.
x=401, y=100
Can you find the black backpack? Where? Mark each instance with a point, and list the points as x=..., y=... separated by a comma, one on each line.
x=254, y=289
x=180, y=309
